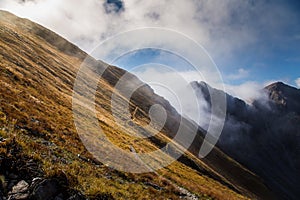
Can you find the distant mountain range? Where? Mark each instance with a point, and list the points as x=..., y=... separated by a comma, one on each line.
x=265, y=135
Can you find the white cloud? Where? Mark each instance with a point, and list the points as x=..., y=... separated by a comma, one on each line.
x=247, y=91
x=173, y=86
x=297, y=81
x=222, y=26
x=241, y=74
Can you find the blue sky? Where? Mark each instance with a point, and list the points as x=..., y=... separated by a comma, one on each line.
x=275, y=55
x=250, y=41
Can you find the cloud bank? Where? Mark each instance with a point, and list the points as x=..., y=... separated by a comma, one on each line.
x=221, y=26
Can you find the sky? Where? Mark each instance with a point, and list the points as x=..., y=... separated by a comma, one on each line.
x=250, y=43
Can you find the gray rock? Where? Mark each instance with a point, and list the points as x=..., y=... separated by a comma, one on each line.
x=19, y=191
x=46, y=190
x=153, y=185
x=35, y=182
x=2, y=139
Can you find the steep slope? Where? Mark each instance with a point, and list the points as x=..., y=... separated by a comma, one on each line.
x=38, y=70
x=265, y=136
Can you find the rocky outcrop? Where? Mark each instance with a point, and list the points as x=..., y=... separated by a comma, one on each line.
x=20, y=191
x=284, y=97
x=42, y=189
x=22, y=178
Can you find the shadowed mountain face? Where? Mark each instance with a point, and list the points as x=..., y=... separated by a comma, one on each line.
x=37, y=73
x=265, y=136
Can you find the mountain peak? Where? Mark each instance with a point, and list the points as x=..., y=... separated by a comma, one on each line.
x=277, y=85
x=284, y=96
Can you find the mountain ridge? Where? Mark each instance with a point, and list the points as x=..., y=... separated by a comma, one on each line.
x=254, y=132
x=38, y=69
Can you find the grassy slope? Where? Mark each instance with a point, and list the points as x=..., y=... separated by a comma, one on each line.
x=35, y=93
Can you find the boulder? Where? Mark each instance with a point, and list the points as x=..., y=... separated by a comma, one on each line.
x=46, y=189
x=19, y=191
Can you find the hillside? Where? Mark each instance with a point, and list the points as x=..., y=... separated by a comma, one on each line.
x=265, y=135
x=39, y=139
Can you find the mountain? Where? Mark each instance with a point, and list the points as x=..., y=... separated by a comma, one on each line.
x=285, y=98
x=43, y=157
x=264, y=136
